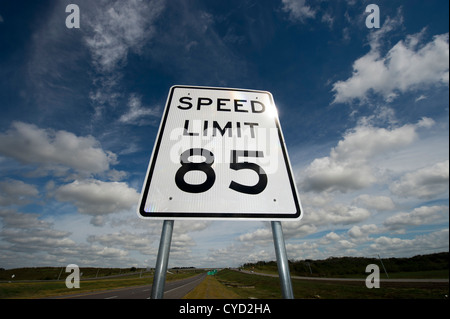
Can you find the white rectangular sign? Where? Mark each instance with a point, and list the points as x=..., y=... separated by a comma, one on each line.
x=219, y=154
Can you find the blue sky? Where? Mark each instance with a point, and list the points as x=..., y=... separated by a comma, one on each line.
x=364, y=112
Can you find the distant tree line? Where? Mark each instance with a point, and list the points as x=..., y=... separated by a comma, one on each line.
x=343, y=266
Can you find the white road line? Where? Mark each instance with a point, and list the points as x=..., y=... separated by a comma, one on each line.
x=183, y=285
x=111, y=297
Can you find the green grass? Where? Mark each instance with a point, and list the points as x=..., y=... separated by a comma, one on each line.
x=53, y=273
x=243, y=285
x=426, y=274
x=211, y=288
x=269, y=288
x=434, y=265
x=28, y=290
x=240, y=283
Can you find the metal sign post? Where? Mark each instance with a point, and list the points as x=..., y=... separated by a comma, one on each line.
x=282, y=261
x=163, y=260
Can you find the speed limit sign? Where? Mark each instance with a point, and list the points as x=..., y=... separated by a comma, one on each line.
x=219, y=154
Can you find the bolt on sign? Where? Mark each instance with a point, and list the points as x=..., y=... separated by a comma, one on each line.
x=219, y=154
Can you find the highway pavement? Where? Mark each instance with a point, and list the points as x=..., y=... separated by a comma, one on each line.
x=172, y=290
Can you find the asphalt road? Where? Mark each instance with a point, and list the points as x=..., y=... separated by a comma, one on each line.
x=172, y=290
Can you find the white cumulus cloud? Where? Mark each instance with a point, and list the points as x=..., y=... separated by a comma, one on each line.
x=98, y=198
x=55, y=150
x=380, y=203
x=14, y=192
x=425, y=183
x=348, y=165
x=392, y=245
x=419, y=216
x=408, y=65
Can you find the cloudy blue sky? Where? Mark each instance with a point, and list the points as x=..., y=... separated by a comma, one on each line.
x=365, y=115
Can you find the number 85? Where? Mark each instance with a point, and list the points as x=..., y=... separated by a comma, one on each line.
x=206, y=167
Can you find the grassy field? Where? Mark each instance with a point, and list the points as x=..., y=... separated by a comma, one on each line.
x=22, y=283
x=230, y=284
x=55, y=273
x=43, y=289
x=211, y=288
x=421, y=266
x=426, y=274
x=261, y=287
